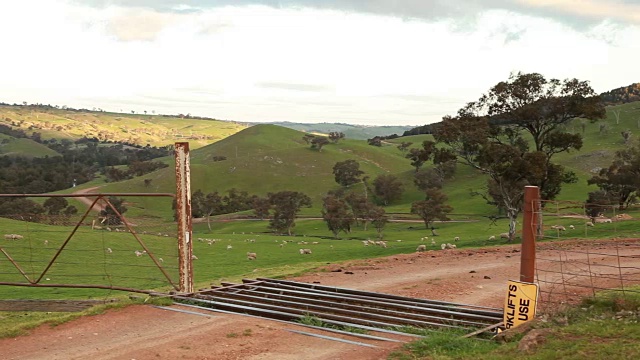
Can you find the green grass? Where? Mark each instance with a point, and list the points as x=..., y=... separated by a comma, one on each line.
x=10, y=146
x=605, y=327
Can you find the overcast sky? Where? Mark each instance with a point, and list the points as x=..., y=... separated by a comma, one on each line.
x=376, y=62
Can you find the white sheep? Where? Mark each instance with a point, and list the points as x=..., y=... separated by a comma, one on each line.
x=252, y=256
x=229, y=247
x=382, y=244
x=139, y=253
x=443, y=246
x=365, y=243
x=572, y=227
x=433, y=242
x=46, y=242
x=109, y=251
x=504, y=236
x=161, y=259
x=456, y=238
x=492, y=237
x=193, y=257
x=305, y=251
x=559, y=227
x=421, y=248
x=13, y=237
x=589, y=223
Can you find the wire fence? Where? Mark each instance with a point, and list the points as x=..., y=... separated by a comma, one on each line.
x=599, y=251
x=89, y=249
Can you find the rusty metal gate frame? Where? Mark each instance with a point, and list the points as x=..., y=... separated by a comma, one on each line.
x=184, y=229
x=104, y=197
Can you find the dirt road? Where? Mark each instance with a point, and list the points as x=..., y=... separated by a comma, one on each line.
x=142, y=332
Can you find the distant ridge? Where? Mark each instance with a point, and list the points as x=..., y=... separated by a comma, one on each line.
x=622, y=95
x=618, y=96
x=357, y=132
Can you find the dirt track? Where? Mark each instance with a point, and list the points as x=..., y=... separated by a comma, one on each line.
x=142, y=332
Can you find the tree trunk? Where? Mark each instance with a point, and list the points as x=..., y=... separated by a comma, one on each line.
x=209, y=222
x=512, y=214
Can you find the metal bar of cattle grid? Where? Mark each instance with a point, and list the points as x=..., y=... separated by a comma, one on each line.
x=330, y=322
x=371, y=306
x=399, y=300
x=249, y=305
x=333, y=308
x=490, y=310
x=441, y=309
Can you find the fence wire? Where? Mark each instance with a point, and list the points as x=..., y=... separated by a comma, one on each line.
x=600, y=251
x=71, y=250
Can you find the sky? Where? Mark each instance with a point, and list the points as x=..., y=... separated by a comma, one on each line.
x=368, y=62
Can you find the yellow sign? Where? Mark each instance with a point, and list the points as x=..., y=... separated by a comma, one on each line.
x=520, y=303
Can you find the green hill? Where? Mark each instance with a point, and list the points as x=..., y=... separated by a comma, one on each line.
x=10, y=146
x=270, y=158
x=156, y=130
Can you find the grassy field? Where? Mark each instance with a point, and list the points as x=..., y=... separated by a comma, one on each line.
x=10, y=146
x=140, y=129
x=602, y=328
x=269, y=158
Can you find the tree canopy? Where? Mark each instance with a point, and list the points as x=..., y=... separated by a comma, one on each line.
x=347, y=173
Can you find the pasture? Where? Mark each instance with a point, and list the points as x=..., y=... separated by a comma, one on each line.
x=108, y=257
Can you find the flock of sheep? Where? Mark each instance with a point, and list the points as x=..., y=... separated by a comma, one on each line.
x=369, y=242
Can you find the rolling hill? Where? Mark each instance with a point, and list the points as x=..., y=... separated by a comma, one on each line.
x=156, y=130
x=270, y=158
x=11, y=146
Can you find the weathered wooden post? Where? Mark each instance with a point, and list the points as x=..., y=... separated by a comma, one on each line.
x=183, y=208
x=529, y=230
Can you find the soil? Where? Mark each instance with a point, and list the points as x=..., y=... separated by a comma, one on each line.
x=475, y=277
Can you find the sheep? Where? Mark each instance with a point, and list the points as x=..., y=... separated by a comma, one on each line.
x=398, y=240
x=504, y=236
x=229, y=247
x=492, y=237
x=161, y=259
x=572, y=227
x=443, y=246
x=559, y=227
x=589, y=223
x=193, y=257
x=13, y=237
x=139, y=253
x=448, y=246
x=305, y=251
x=433, y=242
x=365, y=243
x=252, y=256
x=421, y=248
x=382, y=244
x=315, y=243
x=46, y=242
x=109, y=251
x=456, y=238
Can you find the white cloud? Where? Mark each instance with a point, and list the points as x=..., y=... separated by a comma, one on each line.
x=259, y=63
